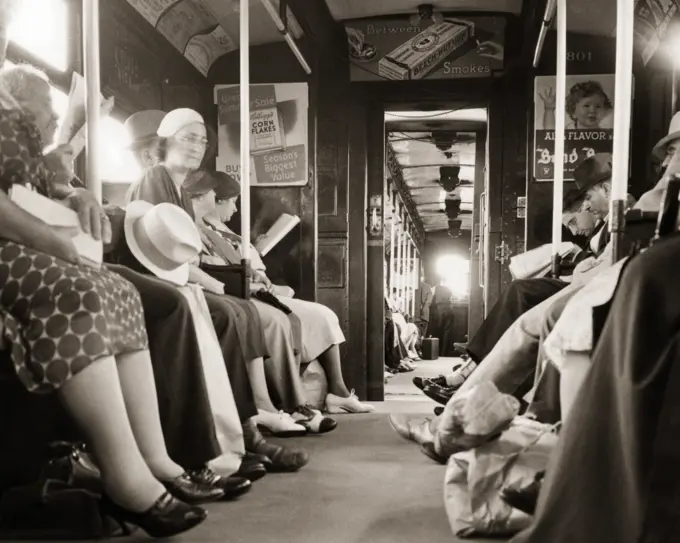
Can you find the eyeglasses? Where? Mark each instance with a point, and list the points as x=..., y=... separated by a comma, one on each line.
x=192, y=141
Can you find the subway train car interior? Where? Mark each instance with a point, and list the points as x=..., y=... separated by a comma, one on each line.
x=342, y=271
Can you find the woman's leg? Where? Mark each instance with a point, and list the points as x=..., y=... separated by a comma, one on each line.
x=258, y=381
x=332, y=365
x=95, y=400
x=139, y=391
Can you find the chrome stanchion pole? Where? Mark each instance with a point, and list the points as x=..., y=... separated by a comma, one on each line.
x=92, y=95
x=623, y=99
x=560, y=95
x=244, y=88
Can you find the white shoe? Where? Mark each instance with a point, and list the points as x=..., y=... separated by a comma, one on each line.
x=336, y=404
x=279, y=424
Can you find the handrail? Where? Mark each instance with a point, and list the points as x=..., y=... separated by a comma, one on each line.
x=545, y=26
x=482, y=239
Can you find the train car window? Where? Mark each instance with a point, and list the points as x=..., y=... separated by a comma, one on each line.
x=41, y=28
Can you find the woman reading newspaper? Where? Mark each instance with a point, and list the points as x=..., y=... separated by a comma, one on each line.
x=214, y=196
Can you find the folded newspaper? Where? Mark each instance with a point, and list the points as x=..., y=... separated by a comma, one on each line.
x=53, y=213
x=72, y=130
x=537, y=262
x=284, y=224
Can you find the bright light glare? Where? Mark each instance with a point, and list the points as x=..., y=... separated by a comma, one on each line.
x=41, y=27
x=455, y=273
x=117, y=164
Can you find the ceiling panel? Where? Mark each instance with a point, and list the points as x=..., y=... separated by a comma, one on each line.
x=420, y=160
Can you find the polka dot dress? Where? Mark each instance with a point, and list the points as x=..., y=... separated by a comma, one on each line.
x=59, y=317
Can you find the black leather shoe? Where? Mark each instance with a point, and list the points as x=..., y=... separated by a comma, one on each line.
x=251, y=470
x=255, y=458
x=193, y=492
x=422, y=382
x=232, y=486
x=166, y=518
x=439, y=394
x=438, y=411
x=282, y=459
x=525, y=498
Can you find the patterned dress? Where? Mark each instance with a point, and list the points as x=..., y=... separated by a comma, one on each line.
x=59, y=317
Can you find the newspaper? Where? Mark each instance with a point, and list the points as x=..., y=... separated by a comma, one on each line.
x=537, y=262
x=72, y=129
x=284, y=224
x=53, y=213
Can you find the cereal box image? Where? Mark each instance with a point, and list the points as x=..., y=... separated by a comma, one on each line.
x=394, y=49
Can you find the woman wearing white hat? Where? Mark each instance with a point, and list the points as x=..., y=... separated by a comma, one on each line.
x=182, y=141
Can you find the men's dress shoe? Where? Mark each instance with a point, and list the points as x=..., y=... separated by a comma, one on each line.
x=439, y=394
x=253, y=458
x=524, y=498
x=417, y=430
x=232, y=486
x=428, y=450
x=251, y=470
x=422, y=382
x=193, y=492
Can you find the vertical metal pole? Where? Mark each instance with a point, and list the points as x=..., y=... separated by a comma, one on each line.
x=623, y=99
x=244, y=93
x=400, y=269
x=393, y=247
x=408, y=299
x=92, y=95
x=560, y=113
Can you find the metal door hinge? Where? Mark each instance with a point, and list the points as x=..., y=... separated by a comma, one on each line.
x=502, y=252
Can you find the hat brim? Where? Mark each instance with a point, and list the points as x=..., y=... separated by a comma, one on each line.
x=134, y=211
x=659, y=150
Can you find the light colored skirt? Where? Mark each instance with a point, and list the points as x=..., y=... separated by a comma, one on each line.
x=320, y=327
x=225, y=414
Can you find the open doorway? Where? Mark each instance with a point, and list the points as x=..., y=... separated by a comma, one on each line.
x=434, y=190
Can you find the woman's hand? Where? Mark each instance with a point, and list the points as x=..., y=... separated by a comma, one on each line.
x=93, y=218
x=260, y=277
x=283, y=290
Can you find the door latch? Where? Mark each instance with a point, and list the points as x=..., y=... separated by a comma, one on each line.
x=502, y=252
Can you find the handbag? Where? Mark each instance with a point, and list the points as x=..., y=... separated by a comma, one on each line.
x=271, y=299
x=475, y=479
x=63, y=504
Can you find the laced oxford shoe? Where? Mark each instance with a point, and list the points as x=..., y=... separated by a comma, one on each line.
x=189, y=491
x=439, y=394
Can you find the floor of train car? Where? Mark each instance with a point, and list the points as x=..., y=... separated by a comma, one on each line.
x=363, y=484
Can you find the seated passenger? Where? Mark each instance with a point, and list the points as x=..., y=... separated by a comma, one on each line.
x=230, y=316
x=321, y=333
x=79, y=332
x=521, y=295
x=613, y=474
x=185, y=412
x=512, y=361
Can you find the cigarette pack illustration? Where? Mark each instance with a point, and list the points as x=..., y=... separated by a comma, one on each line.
x=424, y=52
